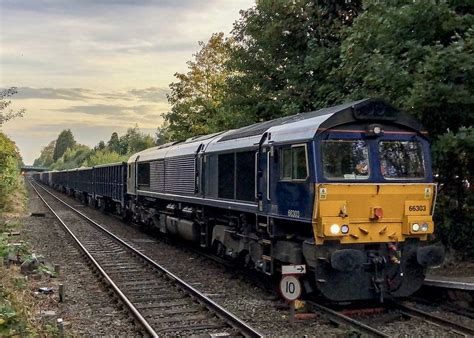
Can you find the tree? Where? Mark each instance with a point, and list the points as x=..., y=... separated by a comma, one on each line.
x=196, y=97
x=162, y=134
x=284, y=58
x=46, y=156
x=114, y=143
x=134, y=141
x=419, y=57
x=64, y=142
x=447, y=75
x=74, y=157
x=100, y=145
x=4, y=104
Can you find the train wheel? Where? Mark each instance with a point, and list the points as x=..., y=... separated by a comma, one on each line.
x=220, y=249
x=125, y=215
x=102, y=206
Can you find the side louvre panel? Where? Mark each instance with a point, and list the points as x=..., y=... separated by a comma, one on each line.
x=175, y=175
x=157, y=176
x=180, y=174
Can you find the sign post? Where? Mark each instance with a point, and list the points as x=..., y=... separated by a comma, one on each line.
x=290, y=287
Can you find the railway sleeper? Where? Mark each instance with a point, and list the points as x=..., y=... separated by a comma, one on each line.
x=163, y=305
x=177, y=311
x=155, y=297
x=198, y=317
x=192, y=328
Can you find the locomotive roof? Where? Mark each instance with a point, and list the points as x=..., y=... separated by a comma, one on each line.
x=297, y=128
x=108, y=164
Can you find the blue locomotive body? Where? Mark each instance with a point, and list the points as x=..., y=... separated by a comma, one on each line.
x=274, y=193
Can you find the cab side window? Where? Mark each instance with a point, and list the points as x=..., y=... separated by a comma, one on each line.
x=285, y=169
x=293, y=163
x=143, y=174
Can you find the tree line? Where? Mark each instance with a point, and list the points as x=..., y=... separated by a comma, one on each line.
x=66, y=153
x=288, y=57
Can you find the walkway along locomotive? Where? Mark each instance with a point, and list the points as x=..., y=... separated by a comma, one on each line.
x=347, y=190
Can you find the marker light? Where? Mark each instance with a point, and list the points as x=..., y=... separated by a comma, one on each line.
x=415, y=227
x=344, y=229
x=424, y=227
x=334, y=229
x=373, y=130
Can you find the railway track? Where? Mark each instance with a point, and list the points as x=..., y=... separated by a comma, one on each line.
x=450, y=285
x=397, y=310
x=341, y=319
x=414, y=312
x=161, y=302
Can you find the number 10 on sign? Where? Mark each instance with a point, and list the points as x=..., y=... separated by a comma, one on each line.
x=290, y=288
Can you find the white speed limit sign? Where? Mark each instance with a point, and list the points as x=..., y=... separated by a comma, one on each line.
x=290, y=288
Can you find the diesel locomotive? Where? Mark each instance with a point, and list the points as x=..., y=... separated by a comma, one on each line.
x=347, y=190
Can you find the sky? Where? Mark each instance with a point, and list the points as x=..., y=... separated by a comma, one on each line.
x=98, y=66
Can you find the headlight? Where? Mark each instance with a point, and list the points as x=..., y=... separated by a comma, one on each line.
x=344, y=229
x=424, y=227
x=334, y=229
x=415, y=227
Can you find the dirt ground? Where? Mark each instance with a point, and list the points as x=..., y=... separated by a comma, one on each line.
x=452, y=267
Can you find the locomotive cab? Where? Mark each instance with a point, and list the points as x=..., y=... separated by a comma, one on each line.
x=373, y=205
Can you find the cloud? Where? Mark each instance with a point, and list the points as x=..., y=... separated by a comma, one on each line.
x=108, y=109
x=95, y=7
x=105, y=43
x=75, y=94
x=94, y=65
x=150, y=94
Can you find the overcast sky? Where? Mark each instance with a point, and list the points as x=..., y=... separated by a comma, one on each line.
x=98, y=66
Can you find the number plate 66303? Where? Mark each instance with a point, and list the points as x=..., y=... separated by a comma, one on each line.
x=417, y=208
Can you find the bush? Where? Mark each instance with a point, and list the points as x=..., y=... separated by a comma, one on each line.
x=453, y=156
x=10, y=161
x=105, y=156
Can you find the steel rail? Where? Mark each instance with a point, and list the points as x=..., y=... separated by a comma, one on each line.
x=117, y=290
x=449, y=284
x=460, y=310
x=439, y=321
x=342, y=319
x=229, y=317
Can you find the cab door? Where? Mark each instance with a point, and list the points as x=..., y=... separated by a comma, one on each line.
x=264, y=179
x=293, y=191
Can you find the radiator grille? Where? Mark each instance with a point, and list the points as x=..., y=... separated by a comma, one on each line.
x=157, y=176
x=180, y=174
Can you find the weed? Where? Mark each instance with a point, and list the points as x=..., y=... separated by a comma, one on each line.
x=46, y=270
x=51, y=329
x=19, y=283
x=12, y=225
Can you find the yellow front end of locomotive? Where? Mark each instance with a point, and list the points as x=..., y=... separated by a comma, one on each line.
x=373, y=213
